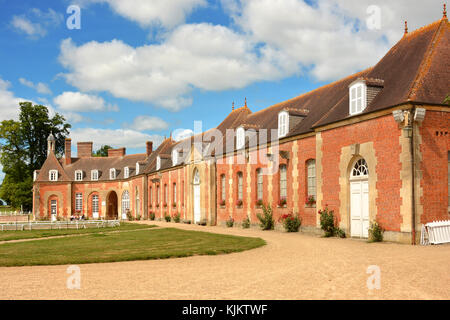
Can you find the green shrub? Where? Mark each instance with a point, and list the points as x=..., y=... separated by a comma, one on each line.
x=167, y=217
x=266, y=219
x=327, y=222
x=375, y=232
x=152, y=216
x=230, y=222
x=176, y=217
x=246, y=223
x=187, y=221
x=129, y=216
x=340, y=233
x=291, y=222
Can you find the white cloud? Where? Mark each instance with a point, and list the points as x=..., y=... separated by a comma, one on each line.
x=180, y=134
x=156, y=12
x=193, y=56
x=144, y=123
x=114, y=137
x=35, y=29
x=9, y=104
x=81, y=102
x=39, y=87
x=330, y=38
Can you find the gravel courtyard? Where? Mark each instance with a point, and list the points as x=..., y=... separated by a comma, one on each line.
x=290, y=266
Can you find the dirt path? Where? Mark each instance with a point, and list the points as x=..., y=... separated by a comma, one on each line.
x=291, y=266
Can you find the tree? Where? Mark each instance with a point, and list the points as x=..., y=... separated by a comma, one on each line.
x=447, y=99
x=102, y=152
x=23, y=147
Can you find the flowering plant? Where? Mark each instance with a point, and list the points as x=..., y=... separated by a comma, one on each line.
x=310, y=200
x=259, y=202
x=239, y=202
x=282, y=202
x=176, y=217
x=222, y=203
x=291, y=222
x=174, y=204
x=165, y=205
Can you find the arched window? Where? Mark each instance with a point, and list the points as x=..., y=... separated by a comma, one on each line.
x=95, y=206
x=360, y=169
x=311, y=178
x=240, y=186
x=222, y=186
x=283, y=182
x=125, y=202
x=259, y=184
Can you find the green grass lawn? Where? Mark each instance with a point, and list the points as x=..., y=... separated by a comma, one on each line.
x=127, y=246
x=27, y=234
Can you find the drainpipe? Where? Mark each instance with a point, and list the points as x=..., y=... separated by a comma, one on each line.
x=413, y=177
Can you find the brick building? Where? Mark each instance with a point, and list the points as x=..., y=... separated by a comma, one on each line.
x=374, y=146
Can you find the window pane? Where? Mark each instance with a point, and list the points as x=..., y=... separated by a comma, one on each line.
x=283, y=182
x=259, y=184
x=240, y=178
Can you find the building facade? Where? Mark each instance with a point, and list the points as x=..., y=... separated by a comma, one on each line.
x=374, y=146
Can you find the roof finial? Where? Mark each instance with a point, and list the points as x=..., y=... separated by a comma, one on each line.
x=232, y=106
x=406, y=27
x=445, y=12
x=246, y=102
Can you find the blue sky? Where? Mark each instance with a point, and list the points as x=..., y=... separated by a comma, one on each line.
x=138, y=70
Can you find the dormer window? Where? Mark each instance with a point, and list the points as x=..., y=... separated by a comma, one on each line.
x=112, y=174
x=137, y=168
x=174, y=157
x=94, y=175
x=126, y=173
x=78, y=175
x=53, y=175
x=358, y=93
x=240, y=138
x=283, y=124
x=158, y=163
x=35, y=175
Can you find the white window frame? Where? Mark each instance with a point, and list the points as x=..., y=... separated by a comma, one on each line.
x=174, y=195
x=35, y=175
x=78, y=175
x=53, y=175
x=358, y=98
x=95, y=205
x=94, y=175
x=259, y=184
x=125, y=202
x=174, y=157
x=283, y=181
x=240, y=189
x=126, y=173
x=79, y=202
x=223, y=186
x=283, y=124
x=112, y=174
x=137, y=168
x=240, y=138
x=311, y=177
x=158, y=163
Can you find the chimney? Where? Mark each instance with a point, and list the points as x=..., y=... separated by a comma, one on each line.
x=84, y=149
x=68, y=151
x=149, y=147
x=116, y=152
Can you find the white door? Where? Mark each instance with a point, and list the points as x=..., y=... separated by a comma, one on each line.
x=359, y=200
x=54, y=208
x=197, y=215
x=359, y=208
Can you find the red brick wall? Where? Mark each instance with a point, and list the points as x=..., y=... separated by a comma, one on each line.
x=435, y=132
x=384, y=133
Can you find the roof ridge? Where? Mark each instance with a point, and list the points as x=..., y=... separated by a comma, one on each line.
x=426, y=60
